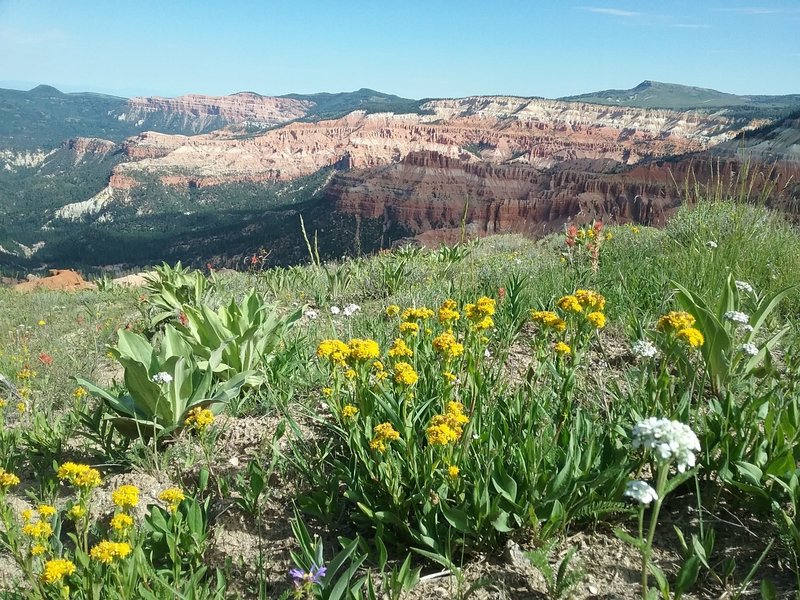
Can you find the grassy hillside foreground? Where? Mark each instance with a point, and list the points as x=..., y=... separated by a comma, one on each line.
x=609, y=413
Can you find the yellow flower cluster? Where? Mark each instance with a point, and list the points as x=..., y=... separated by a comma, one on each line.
x=82, y=476
x=126, y=496
x=107, y=552
x=7, y=479
x=408, y=328
x=392, y=310
x=691, y=336
x=570, y=303
x=597, y=319
x=172, y=497
x=39, y=530
x=362, y=350
x=199, y=418
x=121, y=522
x=417, y=314
x=549, y=319
x=675, y=320
x=447, y=344
x=404, y=374
x=481, y=313
x=562, y=349
x=448, y=312
x=26, y=373
x=447, y=428
x=335, y=351
x=80, y=393
x=76, y=512
x=349, y=411
x=383, y=433
x=400, y=349
x=380, y=370
x=57, y=569
x=453, y=471
x=46, y=511
x=590, y=299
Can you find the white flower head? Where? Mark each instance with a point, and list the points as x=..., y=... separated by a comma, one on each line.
x=641, y=492
x=743, y=286
x=335, y=310
x=744, y=329
x=669, y=440
x=161, y=377
x=749, y=349
x=711, y=244
x=736, y=316
x=311, y=314
x=644, y=349
x=351, y=309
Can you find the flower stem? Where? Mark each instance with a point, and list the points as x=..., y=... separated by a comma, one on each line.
x=661, y=482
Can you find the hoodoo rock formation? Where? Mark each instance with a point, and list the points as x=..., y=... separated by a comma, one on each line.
x=497, y=130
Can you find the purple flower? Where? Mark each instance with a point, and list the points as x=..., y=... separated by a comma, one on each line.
x=302, y=579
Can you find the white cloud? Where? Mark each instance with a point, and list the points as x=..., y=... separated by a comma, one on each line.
x=614, y=12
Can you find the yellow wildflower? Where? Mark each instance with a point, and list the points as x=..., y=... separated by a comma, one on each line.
x=448, y=312
x=453, y=471
x=38, y=550
x=46, y=511
x=440, y=435
x=38, y=530
x=121, y=522
x=676, y=320
x=590, y=299
x=199, y=418
x=57, y=569
x=405, y=374
x=562, y=349
x=3, y=402
x=484, y=323
x=79, y=475
x=597, y=319
x=76, y=512
x=80, y=393
x=327, y=392
x=549, y=319
x=449, y=377
x=27, y=515
x=7, y=479
x=335, y=351
x=417, y=314
x=363, y=349
x=446, y=344
x=350, y=374
x=349, y=411
x=107, y=552
x=42, y=323
x=408, y=328
x=570, y=304
x=172, y=497
x=400, y=348
x=383, y=433
x=26, y=373
x=21, y=406
x=691, y=336
x=126, y=496
x=392, y=310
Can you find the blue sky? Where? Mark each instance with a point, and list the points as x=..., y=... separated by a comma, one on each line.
x=416, y=49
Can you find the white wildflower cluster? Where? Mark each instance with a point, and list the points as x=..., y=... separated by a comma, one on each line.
x=743, y=286
x=744, y=329
x=670, y=440
x=351, y=309
x=641, y=492
x=736, y=316
x=749, y=349
x=311, y=314
x=347, y=311
x=644, y=349
x=162, y=377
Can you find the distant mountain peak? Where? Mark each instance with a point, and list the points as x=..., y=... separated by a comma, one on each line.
x=46, y=90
